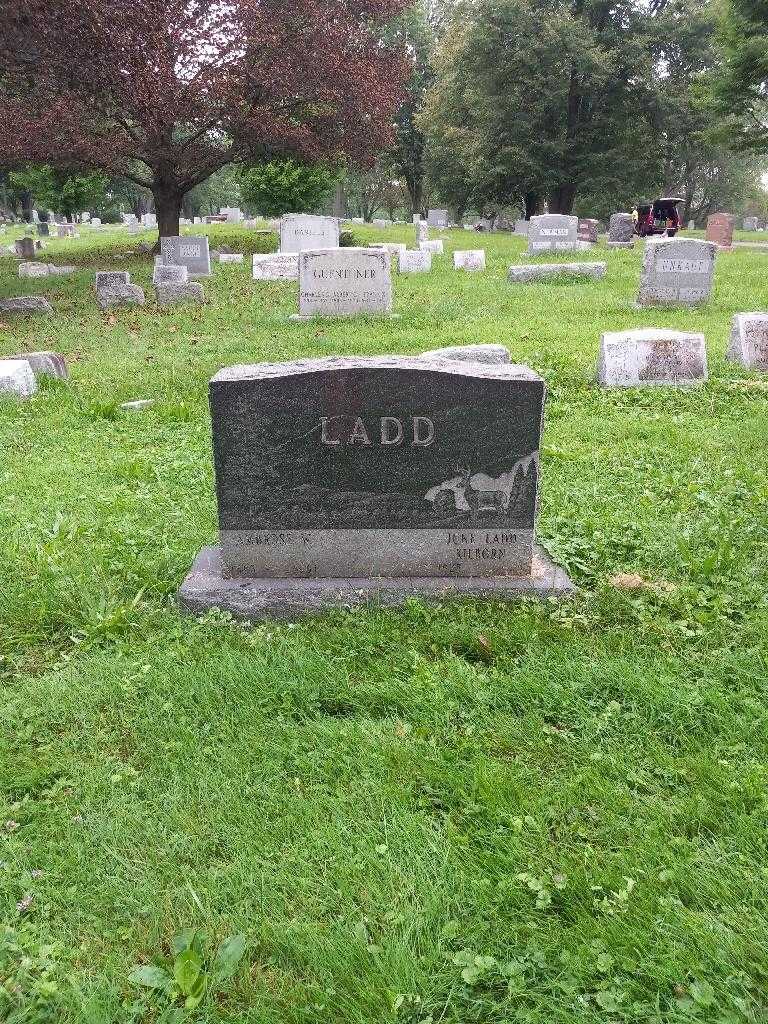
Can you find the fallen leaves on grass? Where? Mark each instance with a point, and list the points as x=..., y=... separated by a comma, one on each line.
x=632, y=581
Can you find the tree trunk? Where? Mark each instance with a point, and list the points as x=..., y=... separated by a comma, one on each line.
x=168, y=202
x=561, y=199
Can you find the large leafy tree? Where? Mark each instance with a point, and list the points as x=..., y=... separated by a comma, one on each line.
x=538, y=99
x=742, y=85
x=167, y=92
x=58, y=189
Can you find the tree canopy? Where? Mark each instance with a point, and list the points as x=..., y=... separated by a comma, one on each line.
x=167, y=93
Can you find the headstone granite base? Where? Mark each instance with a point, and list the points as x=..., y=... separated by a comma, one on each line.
x=206, y=587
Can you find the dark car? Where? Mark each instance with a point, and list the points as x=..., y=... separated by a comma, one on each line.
x=658, y=218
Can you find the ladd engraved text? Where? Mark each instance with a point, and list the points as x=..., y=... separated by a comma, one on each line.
x=390, y=432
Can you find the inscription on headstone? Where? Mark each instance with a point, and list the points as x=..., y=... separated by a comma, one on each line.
x=469, y=259
x=676, y=271
x=344, y=282
x=275, y=266
x=621, y=231
x=190, y=251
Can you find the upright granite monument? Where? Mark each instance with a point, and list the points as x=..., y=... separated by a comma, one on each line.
x=621, y=231
x=340, y=480
x=299, y=231
x=720, y=229
x=676, y=271
x=344, y=282
x=191, y=252
x=552, y=231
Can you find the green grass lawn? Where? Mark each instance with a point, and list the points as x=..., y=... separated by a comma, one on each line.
x=466, y=813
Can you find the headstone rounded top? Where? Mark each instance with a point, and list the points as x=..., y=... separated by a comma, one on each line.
x=415, y=364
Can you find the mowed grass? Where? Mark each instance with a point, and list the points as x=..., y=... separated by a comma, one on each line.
x=465, y=813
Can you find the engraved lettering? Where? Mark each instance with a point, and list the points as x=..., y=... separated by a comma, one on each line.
x=359, y=434
x=386, y=439
x=324, y=438
x=423, y=440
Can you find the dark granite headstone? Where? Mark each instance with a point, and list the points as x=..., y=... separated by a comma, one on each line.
x=190, y=251
x=371, y=475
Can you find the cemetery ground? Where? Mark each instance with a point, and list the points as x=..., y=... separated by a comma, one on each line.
x=539, y=812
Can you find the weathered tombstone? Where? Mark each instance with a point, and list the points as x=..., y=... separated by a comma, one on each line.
x=33, y=270
x=521, y=226
x=432, y=245
x=469, y=259
x=299, y=231
x=25, y=247
x=526, y=272
x=45, y=364
x=552, y=231
x=393, y=248
x=437, y=218
x=26, y=305
x=119, y=293
x=414, y=261
x=471, y=353
x=344, y=282
x=676, y=271
x=416, y=218
x=720, y=229
x=95, y=222
x=422, y=231
x=107, y=278
x=621, y=231
x=231, y=257
x=233, y=214
x=587, y=230
x=751, y=223
x=166, y=273
x=133, y=227
x=691, y=225
x=17, y=378
x=174, y=293
x=749, y=340
x=58, y=271
x=149, y=220
x=341, y=480
x=651, y=356
x=43, y=229
x=191, y=252
x=276, y=266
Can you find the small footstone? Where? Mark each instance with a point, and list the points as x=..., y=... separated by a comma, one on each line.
x=749, y=340
x=33, y=270
x=166, y=273
x=471, y=353
x=120, y=295
x=540, y=271
x=171, y=293
x=629, y=359
x=26, y=305
x=231, y=257
x=17, y=378
x=138, y=404
x=45, y=364
x=435, y=245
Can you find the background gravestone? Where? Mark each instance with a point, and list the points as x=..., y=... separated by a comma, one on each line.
x=299, y=231
x=469, y=259
x=344, y=282
x=25, y=247
x=621, y=231
x=414, y=261
x=720, y=229
x=651, y=356
x=437, y=218
x=676, y=271
x=552, y=232
x=275, y=266
x=191, y=252
x=588, y=228
x=751, y=223
x=749, y=340
x=339, y=478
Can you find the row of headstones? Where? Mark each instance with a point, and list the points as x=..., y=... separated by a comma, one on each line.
x=172, y=286
x=559, y=231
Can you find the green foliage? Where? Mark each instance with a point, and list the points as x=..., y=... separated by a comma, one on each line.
x=192, y=974
x=285, y=186
x=740, y=86
x=59, y=190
